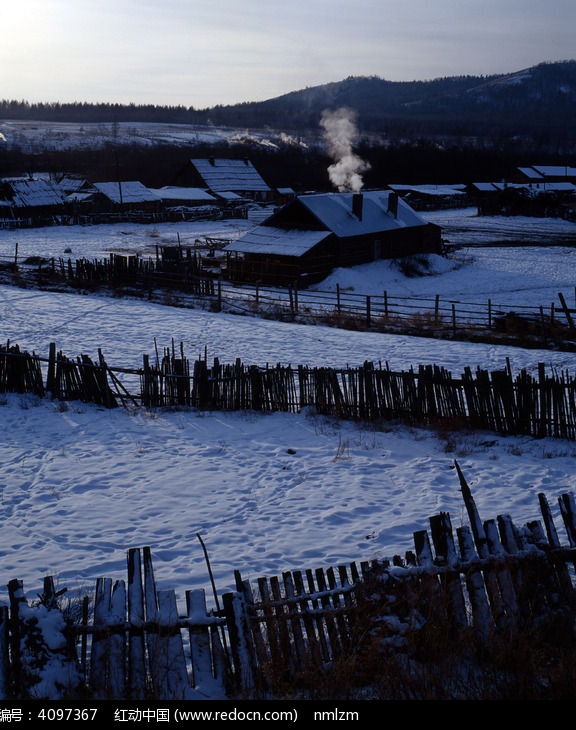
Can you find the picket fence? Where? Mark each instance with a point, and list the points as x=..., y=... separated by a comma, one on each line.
x=128, y=640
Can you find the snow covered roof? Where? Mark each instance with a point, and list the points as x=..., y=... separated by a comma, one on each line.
x=70, y=184
x=79, y=197
x=221, y=175
x=512, y=186
x=270, y=240
x=484, y=187
x=171, y=192
x=530, y=172
x=336, y=211
x=542, y=186
x=555, y=170
x=130, y=191
x=228, y=195
x=442, y=190
x=559, y=187
x=35, y=193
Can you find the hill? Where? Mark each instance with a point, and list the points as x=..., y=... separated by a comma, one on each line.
x=536, y=103
x=537, y=98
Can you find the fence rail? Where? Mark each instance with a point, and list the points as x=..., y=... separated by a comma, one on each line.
x=128, y=640
x=194, y=276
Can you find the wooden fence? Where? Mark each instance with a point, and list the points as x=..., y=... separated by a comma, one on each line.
x=487, y=581
x=128, y=640
x=541, y=404
x=193, y=277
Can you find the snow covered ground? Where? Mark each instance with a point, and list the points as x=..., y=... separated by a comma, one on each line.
x=37, y=136
x=80, y=485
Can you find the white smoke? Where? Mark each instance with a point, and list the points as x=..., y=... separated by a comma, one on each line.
x=340, y=134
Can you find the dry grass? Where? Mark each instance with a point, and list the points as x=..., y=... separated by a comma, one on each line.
x=403, y=645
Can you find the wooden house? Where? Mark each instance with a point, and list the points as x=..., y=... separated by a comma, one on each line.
x=117, y=197
x=304, y=240
x=33, y=201
x=173, y=196
x=433, y=197
x=543, y=174
x=221, y=176
x=538, y=198
x=129, y=195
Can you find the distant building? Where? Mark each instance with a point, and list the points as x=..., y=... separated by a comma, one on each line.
x=546, y=174
x=34, y=201
x=535, y=191
x=222, y=176
x=128, y=193
x=313, y=234
x=172, y=195
x=118, y=197
x=433, y=197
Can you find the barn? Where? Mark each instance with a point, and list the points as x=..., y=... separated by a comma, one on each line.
x=303, y=241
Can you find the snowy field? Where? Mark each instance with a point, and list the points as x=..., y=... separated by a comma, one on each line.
x=81, y=485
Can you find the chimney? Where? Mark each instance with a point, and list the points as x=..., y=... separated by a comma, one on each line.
x=357, y=204
x=393, y=204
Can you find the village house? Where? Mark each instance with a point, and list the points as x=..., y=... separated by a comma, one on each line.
x=542, y=174
x=536, y=198
x=31, y=201
x=433, y=197
x=114, y=198
x=174, y=196
x=304, y=240
x=223, y=176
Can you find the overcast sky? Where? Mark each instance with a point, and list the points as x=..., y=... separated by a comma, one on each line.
x=191, y=53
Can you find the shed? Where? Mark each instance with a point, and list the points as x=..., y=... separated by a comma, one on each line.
x=311, y=235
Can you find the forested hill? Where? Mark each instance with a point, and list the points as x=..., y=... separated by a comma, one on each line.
x=535, y=101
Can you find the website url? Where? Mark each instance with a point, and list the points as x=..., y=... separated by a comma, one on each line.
x=236, y=715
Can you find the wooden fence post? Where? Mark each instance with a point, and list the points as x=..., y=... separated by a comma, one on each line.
x=108, y=648
x=137, y=685
x=238, y=622
x=51, y=375
x=209, y=668
x=568, y=510
x=169, y=662
x=566, y=311
x=443, y=540
x=4, y=652
x=482, y=619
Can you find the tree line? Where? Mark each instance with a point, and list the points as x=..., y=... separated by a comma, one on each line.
x=301, y=168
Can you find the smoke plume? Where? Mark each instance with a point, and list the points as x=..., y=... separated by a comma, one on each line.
x=340, y=133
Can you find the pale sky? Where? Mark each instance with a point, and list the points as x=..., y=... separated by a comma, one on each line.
x=191, y=53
